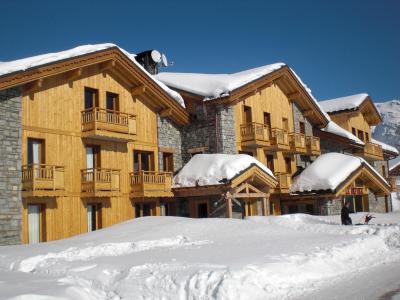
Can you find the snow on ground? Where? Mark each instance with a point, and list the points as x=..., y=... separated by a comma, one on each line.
x=343, y=103
x=180, y=258
x=212, y=169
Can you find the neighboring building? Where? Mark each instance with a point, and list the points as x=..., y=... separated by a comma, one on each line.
x=89, y=138
x=394, y=172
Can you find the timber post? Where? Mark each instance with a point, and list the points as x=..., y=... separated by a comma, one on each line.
x=228, y=199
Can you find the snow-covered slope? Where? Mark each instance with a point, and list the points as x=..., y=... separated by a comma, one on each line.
x=389, y=130
x=180, y=258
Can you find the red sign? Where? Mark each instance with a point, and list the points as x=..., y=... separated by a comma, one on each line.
x=354, y=191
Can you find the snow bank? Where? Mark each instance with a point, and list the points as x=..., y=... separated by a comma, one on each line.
x=334, y=128
x=385, y=146
x=212, y=169
x=44, y=59
x=212, y=86
x=328, y=171
x=343, y=103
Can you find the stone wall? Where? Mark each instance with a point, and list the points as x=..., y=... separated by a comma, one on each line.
x=330, y=207
x=169, y=136
x=226, y=130
x=10, y=166
x=377, y=204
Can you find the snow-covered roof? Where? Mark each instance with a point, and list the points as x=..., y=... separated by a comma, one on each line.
x=385, y=147
x=20, y=65
x=213, y=169
x=396, y=165
x=328, y=171
x=212, y=86
x=343, y=103
x=334, y=128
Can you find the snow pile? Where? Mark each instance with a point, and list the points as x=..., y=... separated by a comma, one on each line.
x=334, y=128
x=212, y=86
x=257, y=258
x=211, y=169
x=44, y=59
x=343, y=103
x=385, y=147
x=328, y=171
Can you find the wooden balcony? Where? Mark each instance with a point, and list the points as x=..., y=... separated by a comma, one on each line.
x=279, y=139
x=255, y=135
x=151, y=184
x=313, y=145
x=392, y=182
x=371, y=151
x=284, y=182
x=110, y=125
x=41, y=180
x=100, y=182
x=297, y=143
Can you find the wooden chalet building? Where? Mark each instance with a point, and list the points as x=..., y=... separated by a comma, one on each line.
x=89, y=138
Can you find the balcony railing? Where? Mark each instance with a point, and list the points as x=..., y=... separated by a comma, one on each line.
x=392, y=182
x=373, y=149
x=42, y=177
x=103, y=120
x=313, y=145
x=297, y=142
x=255, y=132
x=284, y=181
x=151, y=183
x=279, y=138
x=100, y=180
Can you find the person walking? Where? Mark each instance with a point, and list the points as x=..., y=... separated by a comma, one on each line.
x=345, y=214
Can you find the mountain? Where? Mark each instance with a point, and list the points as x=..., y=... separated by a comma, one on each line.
x=389, y=130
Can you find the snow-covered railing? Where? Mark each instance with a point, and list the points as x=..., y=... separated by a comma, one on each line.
x=42, y=177
x=103, y=119
x=100, y=180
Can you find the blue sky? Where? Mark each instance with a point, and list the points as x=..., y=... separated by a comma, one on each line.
x=337, y=47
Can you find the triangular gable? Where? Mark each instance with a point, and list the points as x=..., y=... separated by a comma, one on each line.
x=370, y=112
x=109, y=58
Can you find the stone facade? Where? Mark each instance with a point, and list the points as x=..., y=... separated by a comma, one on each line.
x=329, y=207
x=169, y=136
x=10, y=166
x=212, y=130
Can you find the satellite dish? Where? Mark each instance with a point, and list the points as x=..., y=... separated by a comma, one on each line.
x=164, y=60
x=155, y=56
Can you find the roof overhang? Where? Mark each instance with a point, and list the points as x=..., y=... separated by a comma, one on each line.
x=129, y=70
x=337, y=139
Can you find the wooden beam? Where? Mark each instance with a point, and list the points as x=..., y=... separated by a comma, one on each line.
x=166, y=112
x=228, y=199
x=293, y=95
x=308, y=113
x=138, y=90
x=107, y=65
x=74, y=74
x=249, y=195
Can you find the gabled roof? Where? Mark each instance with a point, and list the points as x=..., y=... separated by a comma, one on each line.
x=330, y=172
x=216, y=169
x=362, y=102
x=334, y=129
x=395, y=169
x=27, y=70
x=229, y=88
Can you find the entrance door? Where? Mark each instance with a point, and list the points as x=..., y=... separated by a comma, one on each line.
x=146, y=210
x=358, y=203
x=93, y=217
x=34, y=224
x=202, y=210
x=247, y=117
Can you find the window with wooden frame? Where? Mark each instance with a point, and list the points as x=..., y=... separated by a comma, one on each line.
x=36, y=152
x=93, y=156
x=367, y=137
x=302, y=127
x=91, y=98
x=94, y=216
x=270, y=162
x=267, y=119
x=247, y=115
x=353, y=131
x=285, y=124
x=112, y=102
x=168, y=161
x=143, y=161
x=36, y=223
x=288, y=165
x=360, y=134
x=383, y=171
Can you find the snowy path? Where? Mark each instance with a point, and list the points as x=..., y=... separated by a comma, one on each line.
x=179, y=258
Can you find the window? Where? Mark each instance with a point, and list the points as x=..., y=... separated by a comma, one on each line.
x=93, y=159
x=270, y=162
x=91, y=98
x=142, y=161
x=366, y=137
x=302, y=127
x=168, y=162
x=288, y=165
x=202, y=210
x=360, y=134
x=384, y=171
x=112, y=102
x=267, y=119
x=36, y=153
x=354, y=131
x=36, y=223
x=285, y=124
x=247, y=117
